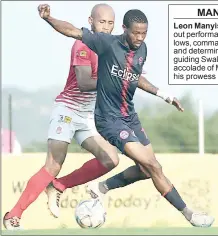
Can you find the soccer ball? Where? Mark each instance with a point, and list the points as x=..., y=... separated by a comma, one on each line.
x=90, y=214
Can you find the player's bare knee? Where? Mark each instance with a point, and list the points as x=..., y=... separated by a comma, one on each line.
x=53, y=170
x=114, y=157
x=116, y=161
x=108, y=160
x=54, y=163
x=153, y=166
x=144, y=174
x=52, y=166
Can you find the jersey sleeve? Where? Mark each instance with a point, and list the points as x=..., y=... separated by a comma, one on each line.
x=145, y=56
x=146, y=52
x=142, y=59
x=97, y=42
x=80, y=54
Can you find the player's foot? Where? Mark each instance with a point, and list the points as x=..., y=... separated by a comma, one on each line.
x=12, y=223
x=54, y=196
x=201, y=220
x=94, y=189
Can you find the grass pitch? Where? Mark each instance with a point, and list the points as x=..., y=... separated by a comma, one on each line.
x=119, y=231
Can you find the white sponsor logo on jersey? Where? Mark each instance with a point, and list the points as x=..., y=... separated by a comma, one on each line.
x=124, y=74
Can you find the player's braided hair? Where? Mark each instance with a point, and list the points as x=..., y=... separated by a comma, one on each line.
x=134, y=15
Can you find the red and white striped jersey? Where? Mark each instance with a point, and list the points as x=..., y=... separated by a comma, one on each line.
x=80, y=102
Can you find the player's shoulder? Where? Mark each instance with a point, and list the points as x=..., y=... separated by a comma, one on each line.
x=143, y=48
x=78, y=44
x=144, y=45
x=107, y=37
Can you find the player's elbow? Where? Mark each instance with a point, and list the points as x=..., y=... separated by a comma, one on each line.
x=71, y=33
x=82, y=88
x=75, y=33
x=86, y=86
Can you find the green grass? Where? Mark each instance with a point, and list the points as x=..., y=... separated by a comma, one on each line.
x=119, y=231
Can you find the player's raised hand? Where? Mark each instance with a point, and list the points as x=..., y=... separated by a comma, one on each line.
x=177, y=104
x=44, y=11
x=170, y=99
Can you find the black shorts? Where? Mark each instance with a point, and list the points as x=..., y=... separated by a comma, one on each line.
x=119, y=131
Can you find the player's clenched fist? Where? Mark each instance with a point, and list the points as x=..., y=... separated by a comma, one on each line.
x=44, y=11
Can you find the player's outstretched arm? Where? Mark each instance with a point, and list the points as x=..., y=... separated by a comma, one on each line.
x=62, y=27
x=148, y=87
x=97, y=42
x=145, y=85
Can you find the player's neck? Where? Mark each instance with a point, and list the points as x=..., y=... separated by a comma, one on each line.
x=124, y=42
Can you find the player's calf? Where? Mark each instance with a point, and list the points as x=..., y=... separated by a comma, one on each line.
x=155, y=170
x=89, y=171
x=106, y=159
x=57, y=151
x=164, y=186
x=145, y=156
x=173, y=197
x=127, y=177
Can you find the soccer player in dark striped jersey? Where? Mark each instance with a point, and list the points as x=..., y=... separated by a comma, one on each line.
x=120, y=62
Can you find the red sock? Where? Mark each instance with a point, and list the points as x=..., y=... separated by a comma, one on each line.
x=35, y=186
x=89, y=171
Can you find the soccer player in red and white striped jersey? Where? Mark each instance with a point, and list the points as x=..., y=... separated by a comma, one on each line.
x=72, y=117
x=73, y=97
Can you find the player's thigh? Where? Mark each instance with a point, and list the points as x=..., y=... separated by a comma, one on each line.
x=88, y=137
x=101, y=149
x=144, y=155
x=56, y=154
x=142, y=136
x=107, y=147
x=139, y=131
x=138, y=152
x=60, y=133
x=116, y=131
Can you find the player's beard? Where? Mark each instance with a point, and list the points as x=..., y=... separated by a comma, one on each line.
x=129, y=41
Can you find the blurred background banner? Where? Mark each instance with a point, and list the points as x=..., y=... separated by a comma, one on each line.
x=138, y=205
x=9, y=142
x=170, y=131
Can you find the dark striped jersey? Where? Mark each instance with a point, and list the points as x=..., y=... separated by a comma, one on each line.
x=119, y=69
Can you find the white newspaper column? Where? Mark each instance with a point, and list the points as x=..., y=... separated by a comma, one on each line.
x=201, y=128
x=193, y=44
